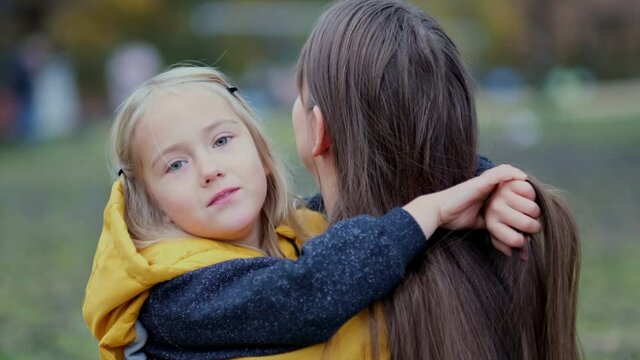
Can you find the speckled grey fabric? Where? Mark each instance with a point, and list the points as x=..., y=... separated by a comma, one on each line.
x=260, y=306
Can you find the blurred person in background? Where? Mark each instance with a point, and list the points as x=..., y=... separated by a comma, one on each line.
x=128, y=66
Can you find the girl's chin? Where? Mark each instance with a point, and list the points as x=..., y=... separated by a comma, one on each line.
x=237, y=231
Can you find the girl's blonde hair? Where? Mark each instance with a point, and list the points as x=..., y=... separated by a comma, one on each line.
x=142, y=215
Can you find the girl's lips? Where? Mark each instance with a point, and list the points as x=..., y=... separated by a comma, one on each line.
x=222, y=195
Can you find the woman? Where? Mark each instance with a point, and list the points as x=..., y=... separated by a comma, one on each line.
x=408, y=127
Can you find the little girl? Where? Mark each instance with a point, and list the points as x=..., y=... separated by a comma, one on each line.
x=199, y=186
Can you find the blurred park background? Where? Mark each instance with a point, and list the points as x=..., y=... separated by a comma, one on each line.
x=558, y=95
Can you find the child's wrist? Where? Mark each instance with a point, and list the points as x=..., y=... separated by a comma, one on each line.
x=425, y=212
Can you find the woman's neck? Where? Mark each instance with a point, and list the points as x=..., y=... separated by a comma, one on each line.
x=327, y=181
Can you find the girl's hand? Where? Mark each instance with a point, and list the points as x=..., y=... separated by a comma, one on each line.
x=459, y=207
x=510, y=212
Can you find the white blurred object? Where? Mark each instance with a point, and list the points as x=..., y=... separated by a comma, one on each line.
x=570, y=88
x=129, y=66
x=55, y=99
x=523, y=129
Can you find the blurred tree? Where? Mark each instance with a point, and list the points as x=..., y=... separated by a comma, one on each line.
x=541, y=38
x=90, y=29
x=530, y=35
x=537, y=35
x=488, y=32
x=602, y=35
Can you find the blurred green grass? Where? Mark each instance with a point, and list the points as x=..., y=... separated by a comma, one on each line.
x=53, y=194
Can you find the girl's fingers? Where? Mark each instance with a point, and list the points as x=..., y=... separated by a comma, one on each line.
x=524, y=254
x=506, y=235
x=487, y=181
x=523, y=189
x=480, y=223
x=502, y=173
x=467, y=197
x=516, y=219
x=522, y=204
x=501, y=247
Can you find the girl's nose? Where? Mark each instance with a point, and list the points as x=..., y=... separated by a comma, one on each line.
x=209, y=173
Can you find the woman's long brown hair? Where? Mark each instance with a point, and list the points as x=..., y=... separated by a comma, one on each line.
x=400, y=113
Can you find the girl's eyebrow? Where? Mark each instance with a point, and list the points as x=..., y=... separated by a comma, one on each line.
x=207, y=129
x=217, y=123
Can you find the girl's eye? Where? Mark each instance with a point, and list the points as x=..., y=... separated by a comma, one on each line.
x=175, y=166
x=221, y=141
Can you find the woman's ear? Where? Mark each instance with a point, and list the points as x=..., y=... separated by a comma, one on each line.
x=321, y=141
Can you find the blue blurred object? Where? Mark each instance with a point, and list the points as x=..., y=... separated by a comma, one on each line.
x=505, y=84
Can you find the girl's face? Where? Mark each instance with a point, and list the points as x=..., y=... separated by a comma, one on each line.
x=201, y=165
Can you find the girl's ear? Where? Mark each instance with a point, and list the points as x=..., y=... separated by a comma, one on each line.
x=321, y=141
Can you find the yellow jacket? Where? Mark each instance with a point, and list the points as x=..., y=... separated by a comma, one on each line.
x=121, y=278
